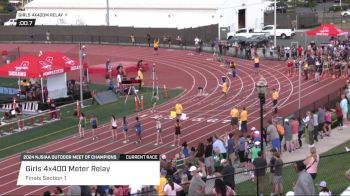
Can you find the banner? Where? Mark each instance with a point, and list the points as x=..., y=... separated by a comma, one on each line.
x=89, y=169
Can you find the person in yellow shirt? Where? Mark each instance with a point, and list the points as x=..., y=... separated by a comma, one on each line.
x=275, y=96
x=234, y=118
x=256, y=62
x=155, y=45
x=224, y=86
x=162, y=182
x=178, y=110
x=244, y=120
x=140, y=77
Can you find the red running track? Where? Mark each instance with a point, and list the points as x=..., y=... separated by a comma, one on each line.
x=207, y=116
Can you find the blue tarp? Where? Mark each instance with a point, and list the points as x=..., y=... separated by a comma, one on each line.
x=8, y=91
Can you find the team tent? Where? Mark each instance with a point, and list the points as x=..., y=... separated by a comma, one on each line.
x=327, y=30
x=34, y=67
x=60, y=59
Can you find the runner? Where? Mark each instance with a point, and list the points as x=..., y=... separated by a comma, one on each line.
x=244, y=119
x=234, y=118
x=155, y=99
x=275, y=96
x=233, y=67
x=125, y=129
x=290, y=67
x=81, y=125
x=159, y=130
x=93, y=122
x=140, y=77
x=224, y=86
x=138, y=130
x=177, y=133
x=156, y=45
x=256, y=62
x=114, y=128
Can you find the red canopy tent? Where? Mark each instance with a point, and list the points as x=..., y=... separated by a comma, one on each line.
x=30, y=67
x=60, y=59
x=327, y=30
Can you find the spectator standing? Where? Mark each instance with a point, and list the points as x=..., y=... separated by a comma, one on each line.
x=344, y=107
x=217, y=159
x=321, y=114
x=272, y=169
x=294, y=126
x=241, y=151
x=138, y=130
x=47, y=37
x=197, y=185
x=312, y=162
x=315, y=118
x=339, y=114
x=308, y=120
x=304, y=184
x=220, y=189
x=324, y=191
x=208, y=152
x=288, y=136
x=260, y=165
x=278, y=178
x=231, y=149
x=218, y=143
x=328, y=125
x=228, y=174
x=162, y=182
x=273, y=136
x=93, y=122
x=172, y=188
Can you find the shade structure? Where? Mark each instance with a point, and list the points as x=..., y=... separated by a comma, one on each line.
x=30, y=67
x=327, y=30
x=61, y=60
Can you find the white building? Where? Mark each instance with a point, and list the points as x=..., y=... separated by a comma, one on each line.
x=147, y=13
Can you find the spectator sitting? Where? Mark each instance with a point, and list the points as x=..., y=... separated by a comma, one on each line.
x=324, y=191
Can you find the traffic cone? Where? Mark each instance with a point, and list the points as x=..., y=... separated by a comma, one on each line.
x=136, y=104
x=165, y=92
x=142, y=102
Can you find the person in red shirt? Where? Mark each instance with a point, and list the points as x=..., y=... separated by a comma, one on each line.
x=300, y=51
x=290, y=67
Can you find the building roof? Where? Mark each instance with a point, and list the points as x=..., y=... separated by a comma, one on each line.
x=115, y=4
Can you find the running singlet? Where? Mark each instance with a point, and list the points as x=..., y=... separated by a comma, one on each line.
x=275, y=95
x=224, y=87
x=256, y=60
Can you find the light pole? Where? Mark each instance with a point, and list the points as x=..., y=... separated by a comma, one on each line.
x=261, y=86
x=275, y=24
x=107, y=15
x=82, y=53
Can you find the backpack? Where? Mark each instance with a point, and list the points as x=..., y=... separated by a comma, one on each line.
x=280, y=129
